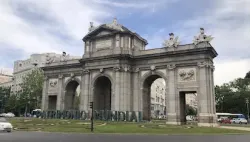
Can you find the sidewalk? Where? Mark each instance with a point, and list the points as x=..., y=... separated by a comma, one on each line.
x=235, y=128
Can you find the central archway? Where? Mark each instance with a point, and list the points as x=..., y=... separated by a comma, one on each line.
x=153, y=104
x=102, y=93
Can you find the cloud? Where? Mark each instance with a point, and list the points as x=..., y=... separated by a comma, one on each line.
x=227, y=21
x=29, y=26
x=47, y=26
x=145, y=4
x=230, y=70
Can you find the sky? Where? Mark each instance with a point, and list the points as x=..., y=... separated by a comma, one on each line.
x=38, y=26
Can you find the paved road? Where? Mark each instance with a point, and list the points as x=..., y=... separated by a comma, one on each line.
x=60, y=137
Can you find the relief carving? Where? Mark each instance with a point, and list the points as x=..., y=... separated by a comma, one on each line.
x=53, y=83
x=187, y=74
x=152, y=68
x=101, y=70
x=104, y=43
x=72, y=75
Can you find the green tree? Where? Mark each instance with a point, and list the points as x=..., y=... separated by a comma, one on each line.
x=230, y=97
x=4, y=96
x=190, y=110
x=32, y=87
x=247, y=75
x=12, y=104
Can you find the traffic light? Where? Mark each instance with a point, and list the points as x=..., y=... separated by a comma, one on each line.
x=91, y=105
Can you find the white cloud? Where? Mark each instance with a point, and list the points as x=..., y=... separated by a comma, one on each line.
x=71, y=19
x=144, y=4
x=230, y=70
x=229, y=22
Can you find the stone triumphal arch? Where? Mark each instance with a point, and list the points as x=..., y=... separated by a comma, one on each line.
x=116, y=72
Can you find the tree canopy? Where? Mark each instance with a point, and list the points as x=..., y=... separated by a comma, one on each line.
x=231, y=97
x=247, y=75
x=29, y=97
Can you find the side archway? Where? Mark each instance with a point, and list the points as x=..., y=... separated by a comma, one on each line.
x=153, y=98
x=72, y=95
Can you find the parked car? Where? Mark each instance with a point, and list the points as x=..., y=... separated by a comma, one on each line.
x=226, y=121
x=5, y=125
x=9, y=114
x=239, y=121
x=221, y=118
x=2, y=114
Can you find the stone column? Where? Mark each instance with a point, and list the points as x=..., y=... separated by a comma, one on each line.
x=117, y=44
x=116, y=97
x=45, y=98
x=127, y=89
x=60, y=91
x=84, y=99
x=136, y=89
x=206, y=102
x=172, y=97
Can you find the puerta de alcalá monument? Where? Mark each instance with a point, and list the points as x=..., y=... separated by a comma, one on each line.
x=116, y=72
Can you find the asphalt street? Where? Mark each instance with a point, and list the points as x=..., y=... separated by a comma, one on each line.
x=65, y=137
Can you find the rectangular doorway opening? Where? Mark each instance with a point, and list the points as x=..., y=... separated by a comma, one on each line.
x=52, y=102
x=188, y=107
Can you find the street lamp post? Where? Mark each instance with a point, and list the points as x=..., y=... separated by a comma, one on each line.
x=247, y=102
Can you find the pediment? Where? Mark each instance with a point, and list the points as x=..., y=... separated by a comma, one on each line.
x=103, y=32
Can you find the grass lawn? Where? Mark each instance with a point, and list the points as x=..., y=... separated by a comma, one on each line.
x=79, y=126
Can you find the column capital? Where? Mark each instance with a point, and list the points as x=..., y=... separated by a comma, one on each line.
x=116, y=68
x=60, y=76
x=46, y=78
x=205, y=64
x=85, y=71
x=136, y=69
x=171, y=66
x=126, y=68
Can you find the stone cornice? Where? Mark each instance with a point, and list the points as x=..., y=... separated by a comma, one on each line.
x=62, y=66
x=177, y=53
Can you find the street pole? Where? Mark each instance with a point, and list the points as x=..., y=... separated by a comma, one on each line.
x=1, y=106
x=247, y=102
x=92, y=116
